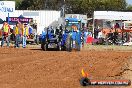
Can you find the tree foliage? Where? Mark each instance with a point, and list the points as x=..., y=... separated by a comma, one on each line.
x=40, y=4
x=129, y=7
x=31, y=4
x=88, y=6
x=73, y=6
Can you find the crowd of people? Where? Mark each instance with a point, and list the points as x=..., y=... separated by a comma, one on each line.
x=114, y=35
x=20, y=32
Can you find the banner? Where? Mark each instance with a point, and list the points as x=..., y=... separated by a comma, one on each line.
x=17, y=19
x=7, y=6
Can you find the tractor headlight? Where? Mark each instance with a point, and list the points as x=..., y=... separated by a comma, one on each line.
x=66, y=20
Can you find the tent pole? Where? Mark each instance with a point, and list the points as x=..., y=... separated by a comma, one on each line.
x=122, y=31
x=93, y=26
x=8, y=18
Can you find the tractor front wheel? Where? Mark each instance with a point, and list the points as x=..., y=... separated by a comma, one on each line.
x=44, y=47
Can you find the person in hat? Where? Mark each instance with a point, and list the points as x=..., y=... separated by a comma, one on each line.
x=5, y=34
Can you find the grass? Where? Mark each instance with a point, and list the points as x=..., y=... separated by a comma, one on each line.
x=108, y=47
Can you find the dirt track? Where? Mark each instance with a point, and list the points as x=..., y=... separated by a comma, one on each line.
x=34, y=68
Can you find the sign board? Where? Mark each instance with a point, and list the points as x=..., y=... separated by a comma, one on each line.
x=17, y=19
x=31, y=13
x=7, y=6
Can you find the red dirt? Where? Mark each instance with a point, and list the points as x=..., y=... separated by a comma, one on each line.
x=34, y=68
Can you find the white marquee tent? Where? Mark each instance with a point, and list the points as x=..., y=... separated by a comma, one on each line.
x=113, y=15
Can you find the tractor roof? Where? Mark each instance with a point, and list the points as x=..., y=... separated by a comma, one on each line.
x=72, y=19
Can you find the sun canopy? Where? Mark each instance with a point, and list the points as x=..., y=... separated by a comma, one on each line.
x=1, y=21
x=112, y=15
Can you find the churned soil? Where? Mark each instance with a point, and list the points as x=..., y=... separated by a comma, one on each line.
x=34, y=68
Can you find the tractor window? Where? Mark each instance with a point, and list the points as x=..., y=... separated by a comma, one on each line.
x=71, y=27
x=74, y=27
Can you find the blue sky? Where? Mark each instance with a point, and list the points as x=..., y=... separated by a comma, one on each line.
x=129, y=1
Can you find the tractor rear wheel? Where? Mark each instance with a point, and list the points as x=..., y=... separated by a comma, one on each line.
x=42, y=46
x=77, y=46
x=46, y=47
x=68, y=43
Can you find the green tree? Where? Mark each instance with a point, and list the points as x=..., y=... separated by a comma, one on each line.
x=40, y=4
x=129, y=8
x=118, y=5
x=31, y=5
x=73, y=6
x=88, y=6
x=53, y=4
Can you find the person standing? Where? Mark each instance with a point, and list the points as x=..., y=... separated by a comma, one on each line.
x=17, y=35
x=25, y=34
x=5, y=34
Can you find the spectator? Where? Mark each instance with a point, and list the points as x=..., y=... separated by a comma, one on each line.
x=96, y=33
x=17, y=35
x=5, y=34
x=117, y=26
x=25, y=35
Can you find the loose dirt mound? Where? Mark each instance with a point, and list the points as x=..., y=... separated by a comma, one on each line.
x=34, y=68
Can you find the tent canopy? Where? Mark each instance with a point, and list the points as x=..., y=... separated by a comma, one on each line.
x=21, y=16
x=1, y=21
x=112, y=15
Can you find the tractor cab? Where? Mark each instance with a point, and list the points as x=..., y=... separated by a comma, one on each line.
x=72, y=24
x=72, y=33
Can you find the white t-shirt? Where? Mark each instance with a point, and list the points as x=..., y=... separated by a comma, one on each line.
x=100, y=35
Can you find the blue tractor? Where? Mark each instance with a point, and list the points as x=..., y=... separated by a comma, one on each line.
x=67, y=39
x=71, y=38
x=50, y=39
